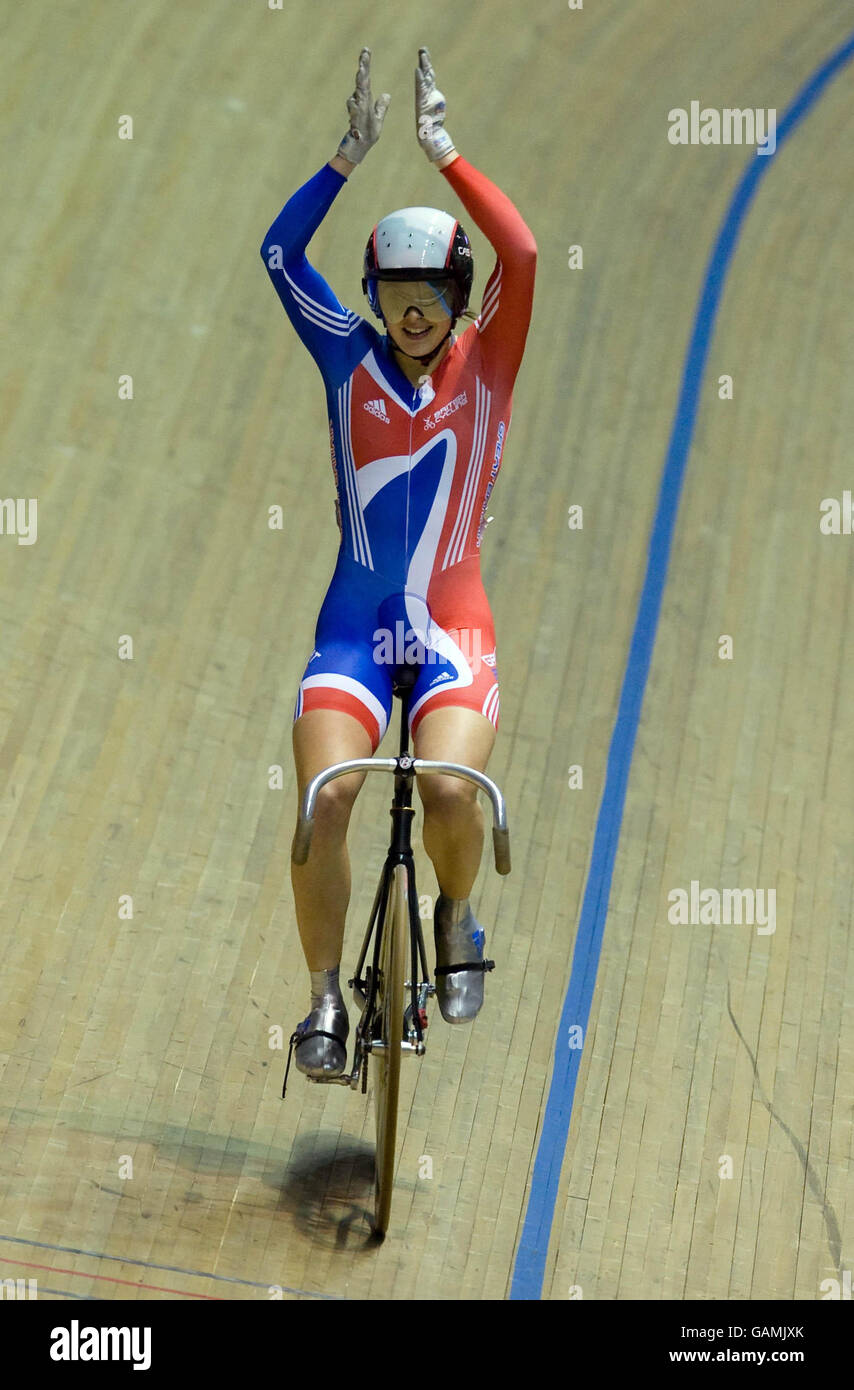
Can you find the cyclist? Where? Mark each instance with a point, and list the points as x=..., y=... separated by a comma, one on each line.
x=418, y=419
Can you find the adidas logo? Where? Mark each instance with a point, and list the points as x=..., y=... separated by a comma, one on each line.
x=437, y=680
x=378, y=408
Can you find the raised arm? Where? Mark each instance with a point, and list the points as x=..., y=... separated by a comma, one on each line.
x=509, y=294
x=322, y=323
x=506, y=308
x=309, y=302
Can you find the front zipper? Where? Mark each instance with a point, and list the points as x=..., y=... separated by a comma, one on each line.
x=406, y=556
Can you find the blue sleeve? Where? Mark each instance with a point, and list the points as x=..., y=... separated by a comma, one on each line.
x=329, y=331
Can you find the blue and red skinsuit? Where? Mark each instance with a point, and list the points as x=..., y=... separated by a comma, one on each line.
x=414, y=467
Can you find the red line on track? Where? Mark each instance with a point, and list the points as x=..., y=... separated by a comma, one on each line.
x=153, y=1288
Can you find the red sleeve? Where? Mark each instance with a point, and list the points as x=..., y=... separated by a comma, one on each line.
x=506, y=307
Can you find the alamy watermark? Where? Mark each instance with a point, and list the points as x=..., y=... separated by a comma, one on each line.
x=833, y=1289
x=707, y=907
x=728, y=126
x=76, y=1343
x=837, y=518
x=19, y=1288
x=416, y=646
x=19, y=517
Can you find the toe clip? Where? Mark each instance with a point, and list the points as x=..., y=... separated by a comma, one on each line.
x=297, y=1037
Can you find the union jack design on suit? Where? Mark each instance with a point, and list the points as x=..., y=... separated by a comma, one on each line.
x=414, y=466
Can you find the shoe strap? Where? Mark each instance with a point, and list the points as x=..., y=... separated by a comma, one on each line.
x=297, y=1037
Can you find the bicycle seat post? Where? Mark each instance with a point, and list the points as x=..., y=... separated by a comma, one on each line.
x=402, y=687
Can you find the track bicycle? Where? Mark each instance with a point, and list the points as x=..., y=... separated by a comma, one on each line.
x=390, y=1027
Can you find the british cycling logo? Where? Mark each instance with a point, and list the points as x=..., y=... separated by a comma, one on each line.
x=499, y=445
x=332, y=451
x=493, y=474
x=431, y=421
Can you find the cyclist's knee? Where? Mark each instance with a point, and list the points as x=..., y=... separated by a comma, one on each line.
x=446, y=796
x=336, y=799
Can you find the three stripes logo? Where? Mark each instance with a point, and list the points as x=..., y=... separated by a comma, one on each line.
x=378, y=409
x=490, y=706
x=490, y=302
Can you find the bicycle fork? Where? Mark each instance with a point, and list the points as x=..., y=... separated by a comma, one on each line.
x=364, y=985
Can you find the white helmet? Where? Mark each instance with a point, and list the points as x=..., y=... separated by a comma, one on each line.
x=419, y=244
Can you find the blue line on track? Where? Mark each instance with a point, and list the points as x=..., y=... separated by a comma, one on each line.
x=169, y=1269
x=531, y=1256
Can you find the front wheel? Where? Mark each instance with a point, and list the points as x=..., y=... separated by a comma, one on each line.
x=387, y=1058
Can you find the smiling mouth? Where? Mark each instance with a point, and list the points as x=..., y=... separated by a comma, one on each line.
x=417, y=333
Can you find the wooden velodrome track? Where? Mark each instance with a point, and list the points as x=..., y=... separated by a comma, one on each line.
x=146, y=1152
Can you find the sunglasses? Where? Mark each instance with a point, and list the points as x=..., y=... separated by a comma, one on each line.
x=430, y=299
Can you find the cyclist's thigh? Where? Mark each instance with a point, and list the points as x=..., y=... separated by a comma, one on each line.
x=345, y=696
x=455, y=735
x=325, y=736
x=451, y=735
x=460, y=672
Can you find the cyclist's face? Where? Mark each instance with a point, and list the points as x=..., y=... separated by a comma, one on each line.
x=415, y=314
